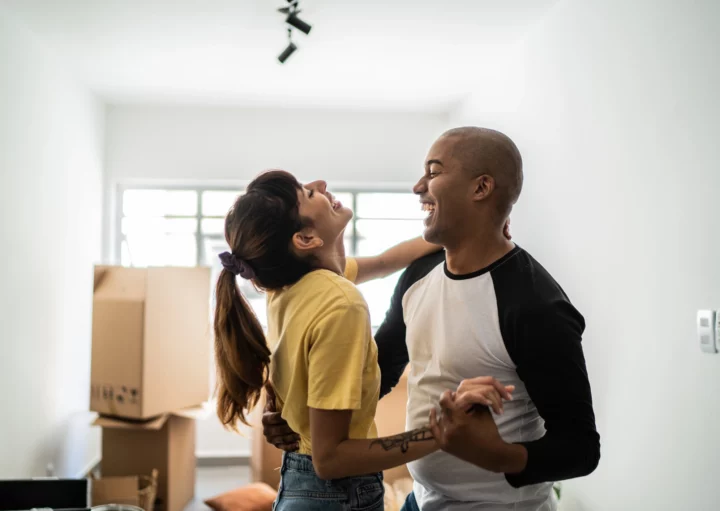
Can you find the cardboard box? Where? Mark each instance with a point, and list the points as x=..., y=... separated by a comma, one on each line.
x=266, y=459
x=166, y=443
x=139, y=491
x=150, y=340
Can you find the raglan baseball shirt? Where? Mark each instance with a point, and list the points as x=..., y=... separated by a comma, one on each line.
x=511, y=321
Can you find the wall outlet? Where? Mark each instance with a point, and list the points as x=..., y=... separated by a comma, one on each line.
x=706, y=328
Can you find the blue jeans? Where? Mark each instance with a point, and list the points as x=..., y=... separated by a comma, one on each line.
x=410, y=503
x=302, y=490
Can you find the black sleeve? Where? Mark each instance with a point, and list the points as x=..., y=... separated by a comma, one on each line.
x=390, y=338
x=547, y=351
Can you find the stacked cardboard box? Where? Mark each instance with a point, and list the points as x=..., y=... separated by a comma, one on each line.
x=150, y=372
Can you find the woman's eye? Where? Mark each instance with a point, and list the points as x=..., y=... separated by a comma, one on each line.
x=311, y=193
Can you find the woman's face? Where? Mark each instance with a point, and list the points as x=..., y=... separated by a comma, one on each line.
x=328, y=216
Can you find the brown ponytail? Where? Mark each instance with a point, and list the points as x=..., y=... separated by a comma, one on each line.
x=241, y=353
x=258, y=228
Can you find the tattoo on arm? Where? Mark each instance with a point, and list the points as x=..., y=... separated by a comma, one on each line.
x=403, y=439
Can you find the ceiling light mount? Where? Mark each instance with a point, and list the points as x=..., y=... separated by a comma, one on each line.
x=292, y=10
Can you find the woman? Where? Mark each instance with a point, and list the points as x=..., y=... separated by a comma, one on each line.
x=288, y=239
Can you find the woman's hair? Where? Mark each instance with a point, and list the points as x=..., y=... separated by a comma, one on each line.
x=259, y=229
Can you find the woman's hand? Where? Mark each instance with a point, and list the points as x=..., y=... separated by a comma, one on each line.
x=275, y=428
x=484, y=390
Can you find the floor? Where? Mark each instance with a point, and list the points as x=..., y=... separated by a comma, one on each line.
x=213, y=481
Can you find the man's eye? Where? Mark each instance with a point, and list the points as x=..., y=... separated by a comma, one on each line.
x=432, y=173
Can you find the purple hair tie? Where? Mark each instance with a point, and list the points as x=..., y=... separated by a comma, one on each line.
x=236, y=266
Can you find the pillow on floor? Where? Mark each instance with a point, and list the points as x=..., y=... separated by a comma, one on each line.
x=253, y=497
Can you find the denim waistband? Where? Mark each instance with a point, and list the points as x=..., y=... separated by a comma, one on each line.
x=303, y=463
x=299, y=462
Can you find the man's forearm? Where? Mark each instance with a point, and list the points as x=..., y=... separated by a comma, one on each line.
x=500, y=457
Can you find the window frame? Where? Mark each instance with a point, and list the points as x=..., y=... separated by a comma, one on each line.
x=353, y=190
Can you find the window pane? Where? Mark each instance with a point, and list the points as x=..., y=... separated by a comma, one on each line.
x=378, y=293
x=151, y=249
x=217, y=203
x=159, y=203
x=375, y=236
x=388, y=205
x=150, y=226
x=213, y=226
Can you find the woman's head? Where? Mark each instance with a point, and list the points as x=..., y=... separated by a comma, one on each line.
x=277, y=231
x=279, y=228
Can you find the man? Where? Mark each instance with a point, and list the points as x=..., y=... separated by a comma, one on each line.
x=484, y=312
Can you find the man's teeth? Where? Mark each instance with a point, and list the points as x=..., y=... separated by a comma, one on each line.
x=428, y=207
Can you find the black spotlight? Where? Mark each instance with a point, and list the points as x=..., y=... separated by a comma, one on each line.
x=296, y=22
x=287, y=52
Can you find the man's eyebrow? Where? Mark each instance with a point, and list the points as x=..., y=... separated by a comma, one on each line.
x=430, y=162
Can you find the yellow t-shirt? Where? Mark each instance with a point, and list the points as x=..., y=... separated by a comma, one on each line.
x=324, y=355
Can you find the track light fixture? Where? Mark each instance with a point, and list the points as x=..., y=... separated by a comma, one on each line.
x=289, y=50
x=294, y=21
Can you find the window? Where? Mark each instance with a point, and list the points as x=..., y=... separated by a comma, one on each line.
x=184, y=227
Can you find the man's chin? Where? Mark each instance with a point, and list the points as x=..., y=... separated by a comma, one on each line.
x=430, y=235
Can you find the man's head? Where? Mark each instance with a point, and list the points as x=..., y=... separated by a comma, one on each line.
x=473, y=176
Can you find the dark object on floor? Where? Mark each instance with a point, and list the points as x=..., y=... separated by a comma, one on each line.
x=44, y=493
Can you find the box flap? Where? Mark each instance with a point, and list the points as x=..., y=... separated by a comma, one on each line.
x=116, y=490
x=199, y=412
x=117, y=283
x=111, y=422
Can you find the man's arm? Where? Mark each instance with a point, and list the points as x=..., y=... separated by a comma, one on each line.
x=390, y=338
x=548, y=354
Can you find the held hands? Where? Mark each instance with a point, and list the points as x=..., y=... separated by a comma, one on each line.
x=276, y=430
x=484, y=390
x=470, y=433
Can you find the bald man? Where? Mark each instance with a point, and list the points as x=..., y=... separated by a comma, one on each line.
x=483, y=315
x=486, y=314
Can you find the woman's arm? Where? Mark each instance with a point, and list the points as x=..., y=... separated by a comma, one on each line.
x=393, y=259
x=334, y=455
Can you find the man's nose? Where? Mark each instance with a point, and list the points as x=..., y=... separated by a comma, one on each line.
x=420, y=187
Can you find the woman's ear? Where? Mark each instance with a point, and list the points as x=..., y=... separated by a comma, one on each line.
x=483, y=187
x=306, y=241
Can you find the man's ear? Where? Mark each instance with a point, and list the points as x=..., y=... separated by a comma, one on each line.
x=306, y=240
x=483, y=187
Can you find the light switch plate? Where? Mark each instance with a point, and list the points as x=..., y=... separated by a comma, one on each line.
x=706, y=330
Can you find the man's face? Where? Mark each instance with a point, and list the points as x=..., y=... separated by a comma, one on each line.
x=445, y=192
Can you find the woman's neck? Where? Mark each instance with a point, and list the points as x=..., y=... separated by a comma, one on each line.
x=332, y=257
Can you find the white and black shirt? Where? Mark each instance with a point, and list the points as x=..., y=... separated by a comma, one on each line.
x=511, y=321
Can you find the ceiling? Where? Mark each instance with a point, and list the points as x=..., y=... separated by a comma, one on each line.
x=396, y=54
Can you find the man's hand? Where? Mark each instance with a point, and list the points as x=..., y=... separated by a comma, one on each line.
x=506, y=230
x=474, y=437
x=484, y=390
x=275, y=429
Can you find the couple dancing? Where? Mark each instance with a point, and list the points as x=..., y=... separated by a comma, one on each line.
x=481, y=312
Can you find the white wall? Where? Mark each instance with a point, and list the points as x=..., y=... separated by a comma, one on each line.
x=50, y=209
x=619, y=125
x=195, y=144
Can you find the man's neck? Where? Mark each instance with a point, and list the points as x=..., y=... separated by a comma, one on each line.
x=480, y=251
